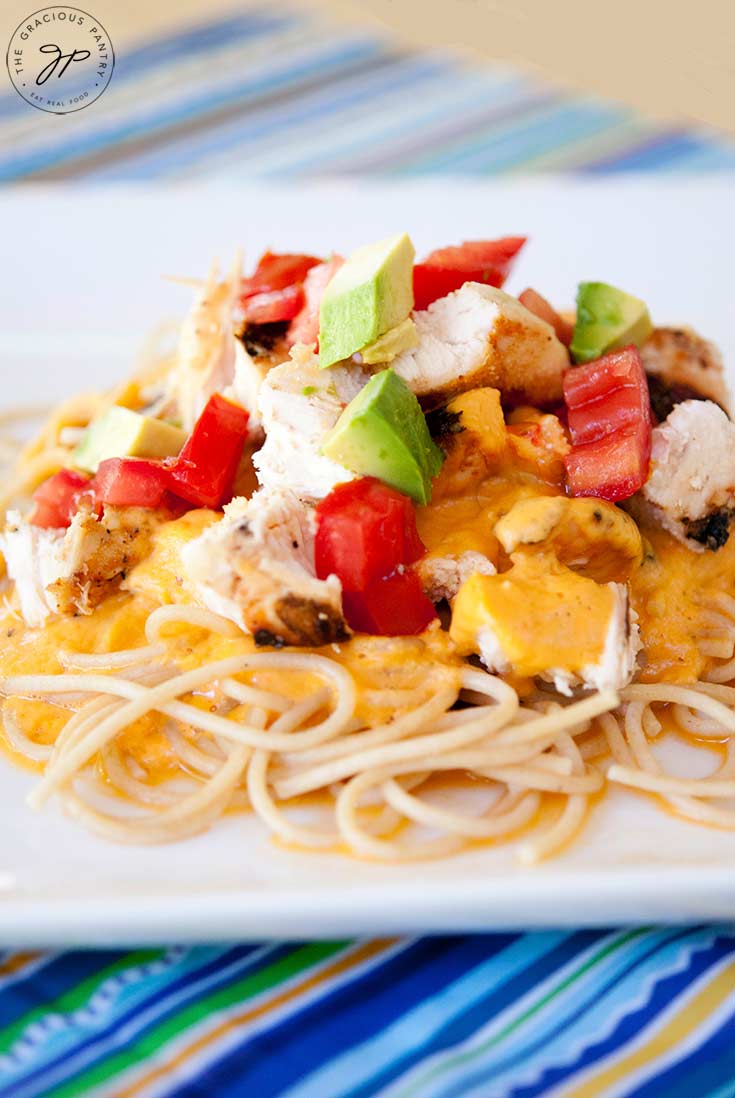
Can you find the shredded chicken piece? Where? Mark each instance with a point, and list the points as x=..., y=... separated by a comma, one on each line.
x=71, y=571
x=691, y=489
x=256, y=568
x=681, y=366
x=299, y=405
x=442, y=576
x=478, y=336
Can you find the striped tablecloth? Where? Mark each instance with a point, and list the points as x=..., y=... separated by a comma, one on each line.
x=585, y=1014
x=646, y=1012
x=269, y=93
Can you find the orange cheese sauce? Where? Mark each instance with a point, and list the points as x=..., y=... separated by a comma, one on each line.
x=480, y=481
x=543, y=615
x=117, y=624
x=670, y=593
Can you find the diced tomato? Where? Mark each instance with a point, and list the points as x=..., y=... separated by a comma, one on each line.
x=273, y=305
x=541, y=308
x=57, y=498
x=131, y=482
x=609, y=415
x=614, y=468
x=613, y=411
x=366, y=535
x=391, y=607
x=365, y=530
x=205, y=470
x=430, y=283
x=304, y=328
x=617, y=370
x=276, y=272
x=447, y=269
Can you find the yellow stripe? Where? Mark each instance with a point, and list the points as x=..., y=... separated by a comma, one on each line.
x=308, y=983
x=692, y=1014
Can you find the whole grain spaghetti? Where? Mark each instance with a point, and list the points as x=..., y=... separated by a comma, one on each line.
x=319, y=777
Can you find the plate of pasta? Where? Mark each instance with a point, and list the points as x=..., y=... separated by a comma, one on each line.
x=392, y=587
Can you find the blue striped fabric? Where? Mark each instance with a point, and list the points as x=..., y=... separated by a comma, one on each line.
x=281, y=93
x=640, y=1013
x=494, y=1016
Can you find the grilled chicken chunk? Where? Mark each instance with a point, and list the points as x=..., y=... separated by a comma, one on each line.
x=256, y=568
x=71, y=571
x=442, y=576
x=299, y=404
x=218, y=354
x=691, y=489
x=480, y=336
x=682, y=366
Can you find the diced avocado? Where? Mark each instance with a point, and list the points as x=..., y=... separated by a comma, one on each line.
x=123, y=433
x=607, y=318
x=382, y=433
x=401, y=338
x=370, y=294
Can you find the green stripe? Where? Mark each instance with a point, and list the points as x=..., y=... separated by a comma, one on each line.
x=462, y=1058
x=150, y=1044
x=76, y=997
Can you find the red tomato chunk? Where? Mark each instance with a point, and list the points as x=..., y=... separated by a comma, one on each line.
x=447, y=269
x=274, y=305
x=205, y=470
x=131, y=482
x=609, y=416
x=366, y=535
x=392, y=607
x=56, y=500
x=276, y=272
x=541, y=308
x=365, y=531
x=304, y=328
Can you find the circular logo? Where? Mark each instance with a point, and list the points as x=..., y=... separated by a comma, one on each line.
x=60, y=59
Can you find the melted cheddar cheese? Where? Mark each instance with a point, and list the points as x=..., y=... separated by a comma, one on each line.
x=542, y=615
x=160, y=578
x=483, y=477
x=672, y=593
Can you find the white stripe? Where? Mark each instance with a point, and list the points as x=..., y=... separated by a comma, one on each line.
x=419, y=1078
x=219, y=1048
x=139, y=103
x=385, y=122
x=680, y=1049
x=76, y=1063
x=641, y=1038
x=274, y=120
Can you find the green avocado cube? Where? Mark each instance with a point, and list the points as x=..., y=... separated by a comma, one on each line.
x=607, y=319
x=404, y=337
x=370, y=294
x=382, y=433
x=120, y=432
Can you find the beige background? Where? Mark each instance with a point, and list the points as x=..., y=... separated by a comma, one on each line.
x=672, y=59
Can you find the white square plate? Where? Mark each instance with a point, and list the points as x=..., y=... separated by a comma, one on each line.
x=81, y=288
